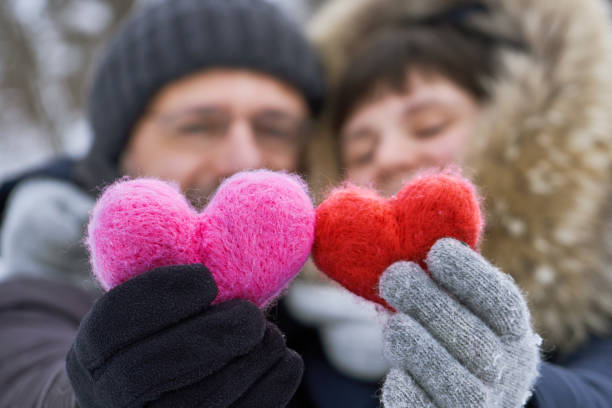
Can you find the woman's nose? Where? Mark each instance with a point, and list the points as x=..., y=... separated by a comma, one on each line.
x=397, y=158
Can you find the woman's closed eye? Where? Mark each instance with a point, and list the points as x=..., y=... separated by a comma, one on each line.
x=428, y=123
x=359, y=147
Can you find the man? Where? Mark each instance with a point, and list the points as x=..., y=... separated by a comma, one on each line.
x=163, y=99
x=189, y=91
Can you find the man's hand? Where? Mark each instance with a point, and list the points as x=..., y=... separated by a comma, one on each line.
x=461, y=339
x=156, y=341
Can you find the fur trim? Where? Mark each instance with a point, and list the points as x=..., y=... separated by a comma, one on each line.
x=542, y=155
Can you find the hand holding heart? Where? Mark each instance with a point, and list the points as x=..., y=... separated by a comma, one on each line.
x=258, y=230
x=360, y=234
x=254, y=236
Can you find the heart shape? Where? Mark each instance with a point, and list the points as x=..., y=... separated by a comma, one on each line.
x=360, y=234
x=254, y=236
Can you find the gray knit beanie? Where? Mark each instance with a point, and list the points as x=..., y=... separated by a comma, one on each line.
x=173, y=38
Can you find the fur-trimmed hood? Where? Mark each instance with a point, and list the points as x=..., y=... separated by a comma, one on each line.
x=542, y=152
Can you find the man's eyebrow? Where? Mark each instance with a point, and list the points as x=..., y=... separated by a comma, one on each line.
x=275, y=113
x=213, y=109
x=201, y=109
x=187, y=110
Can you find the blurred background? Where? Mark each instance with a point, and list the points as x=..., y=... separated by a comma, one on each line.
x=47, y=49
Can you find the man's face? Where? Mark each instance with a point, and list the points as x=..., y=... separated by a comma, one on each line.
x=393, y=135
x=207, y=126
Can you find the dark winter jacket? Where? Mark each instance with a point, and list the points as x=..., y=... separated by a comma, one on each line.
x=582, y=379
x=39, y=319
x=38, y=322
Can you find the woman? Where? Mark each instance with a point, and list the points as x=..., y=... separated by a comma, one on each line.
x=517, y=93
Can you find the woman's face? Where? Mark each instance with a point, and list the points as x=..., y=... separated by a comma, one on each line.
x=386, y=139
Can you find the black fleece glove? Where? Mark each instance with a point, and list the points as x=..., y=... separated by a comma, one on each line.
x=156, y=341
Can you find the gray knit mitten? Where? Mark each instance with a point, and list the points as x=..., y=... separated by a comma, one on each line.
x=466, y=341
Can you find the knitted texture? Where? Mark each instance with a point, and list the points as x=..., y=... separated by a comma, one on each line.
x=461, y=339
x=156, y=341
x=254, y=236
x=359, y=234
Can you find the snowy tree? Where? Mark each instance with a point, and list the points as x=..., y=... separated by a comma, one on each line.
x=47, y=50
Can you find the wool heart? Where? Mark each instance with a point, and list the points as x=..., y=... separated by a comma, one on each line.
x=359, y=234
x=254, y=236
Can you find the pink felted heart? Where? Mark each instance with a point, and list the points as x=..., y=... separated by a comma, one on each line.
x=254, y=236
x=359, y=234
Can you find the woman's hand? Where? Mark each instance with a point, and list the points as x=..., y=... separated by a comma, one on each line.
x=461, y=338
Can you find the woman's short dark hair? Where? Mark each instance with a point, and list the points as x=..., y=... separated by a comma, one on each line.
x=389, y=55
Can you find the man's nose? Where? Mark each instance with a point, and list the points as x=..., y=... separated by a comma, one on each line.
x=241, y=150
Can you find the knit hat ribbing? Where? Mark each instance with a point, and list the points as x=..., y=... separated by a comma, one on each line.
x=172, y=39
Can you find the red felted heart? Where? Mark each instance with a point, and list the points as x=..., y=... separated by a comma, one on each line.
x=359, y=234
